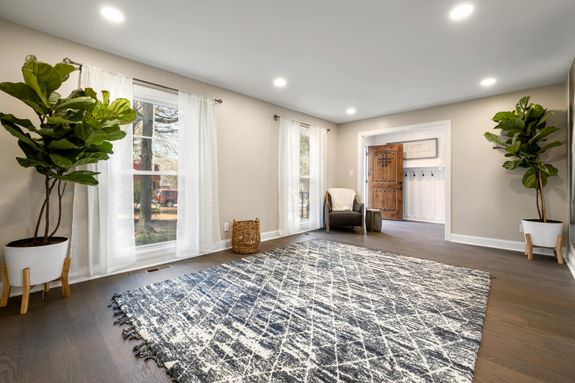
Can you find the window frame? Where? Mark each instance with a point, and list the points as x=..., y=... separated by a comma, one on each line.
x=150, y=94
x=304, y=131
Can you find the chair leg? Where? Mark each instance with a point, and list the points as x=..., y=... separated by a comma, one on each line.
x=25, y=290
x=327, y=228
x=64, y=277
x=5, y=286
x=558, y=246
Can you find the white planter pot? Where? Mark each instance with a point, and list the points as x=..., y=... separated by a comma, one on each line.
x=543, y=234
x=45, y=262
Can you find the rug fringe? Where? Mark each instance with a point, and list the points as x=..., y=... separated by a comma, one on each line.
x=142, y=350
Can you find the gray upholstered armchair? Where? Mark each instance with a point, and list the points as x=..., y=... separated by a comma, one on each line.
x=355, y=217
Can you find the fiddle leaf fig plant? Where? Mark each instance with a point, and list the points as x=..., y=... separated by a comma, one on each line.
x=524, y=137
x=69, y=132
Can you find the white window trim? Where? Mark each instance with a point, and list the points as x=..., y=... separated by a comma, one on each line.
x=304, y=225
x=163, y=98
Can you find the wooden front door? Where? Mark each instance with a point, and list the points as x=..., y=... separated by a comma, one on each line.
x=385, y=179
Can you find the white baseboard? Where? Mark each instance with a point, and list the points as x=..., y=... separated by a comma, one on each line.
x=571, y=260
x=426, y=220
x=496, y=243
x=81, y=275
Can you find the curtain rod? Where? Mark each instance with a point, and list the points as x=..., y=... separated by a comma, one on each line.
x=69, y=61
x=277, y=118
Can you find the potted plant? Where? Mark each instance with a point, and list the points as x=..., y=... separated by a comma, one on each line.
x=524, y=139
x=69, y=132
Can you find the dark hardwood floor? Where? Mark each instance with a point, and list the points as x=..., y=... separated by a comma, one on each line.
x=529, y=333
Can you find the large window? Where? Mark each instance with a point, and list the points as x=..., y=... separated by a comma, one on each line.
x=155, y=138
x=304, y=174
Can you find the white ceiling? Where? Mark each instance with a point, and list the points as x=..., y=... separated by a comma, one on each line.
x=379, y=56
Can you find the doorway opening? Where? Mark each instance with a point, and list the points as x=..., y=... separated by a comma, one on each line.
x=406, y=172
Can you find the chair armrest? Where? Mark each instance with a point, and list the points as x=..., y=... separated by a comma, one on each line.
x=358, y=206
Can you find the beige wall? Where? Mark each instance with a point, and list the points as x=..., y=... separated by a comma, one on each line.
x=247, y=147
x=486, y=200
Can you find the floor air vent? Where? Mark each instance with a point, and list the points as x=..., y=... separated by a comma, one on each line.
x=158, y=268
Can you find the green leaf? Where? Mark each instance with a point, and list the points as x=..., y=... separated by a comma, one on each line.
x=551, y=170
x=57, y=120
x=548, y=146
x=64, y=70
x=511, y=124
x=513, y=148
x=24, y=123
x=522, y=105
x=97, y=137
x=17, y=132
x=31, y=73
x=104, y=147
x=75, y=103
x=510, y=165
x=91, y=158
x=61, y=161
x=503, y=116
x=530, y=179
x=494, y=139
x=62, y=144
x=543, y=133
x=28, y=163
x=84, y=177
x=25, y=94
x=116, y=135
x=31, y=152
x=54, y=98
x=83, y=131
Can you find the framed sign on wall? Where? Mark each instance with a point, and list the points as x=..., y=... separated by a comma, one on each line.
x=419, y=149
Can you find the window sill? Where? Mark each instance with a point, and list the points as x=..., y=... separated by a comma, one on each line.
x=156, y=250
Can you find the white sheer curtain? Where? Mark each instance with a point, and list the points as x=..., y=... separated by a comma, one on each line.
x=103, y=216
x=288, y=177
x=198, y=216
x=317, y=173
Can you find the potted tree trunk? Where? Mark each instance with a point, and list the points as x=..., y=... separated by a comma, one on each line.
x=524, y=137
x=69, y=132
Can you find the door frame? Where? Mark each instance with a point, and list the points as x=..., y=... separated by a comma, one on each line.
x=362, y=168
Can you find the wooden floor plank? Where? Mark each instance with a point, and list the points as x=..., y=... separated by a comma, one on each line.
x=529, y=333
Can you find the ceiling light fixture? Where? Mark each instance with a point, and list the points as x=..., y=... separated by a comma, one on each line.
x=488, y=81
x=112, y=14
x=461, y=12
x=280, y=82
x=350, y=110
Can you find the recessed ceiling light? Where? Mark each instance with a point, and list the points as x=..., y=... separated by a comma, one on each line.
x=350, y=110
x=461, y=11
x=488, y=81
x=112, y=14
x=280, y=82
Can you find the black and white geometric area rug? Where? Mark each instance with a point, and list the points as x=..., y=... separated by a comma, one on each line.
x=315, y=311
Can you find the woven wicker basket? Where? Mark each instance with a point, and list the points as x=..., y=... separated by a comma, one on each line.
x=246, y=236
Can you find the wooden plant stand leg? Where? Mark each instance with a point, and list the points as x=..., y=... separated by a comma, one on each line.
x=5, y=287
x=25, y=290
x=528, y=246
x=558, y=246
x=64, y=277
